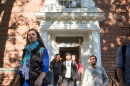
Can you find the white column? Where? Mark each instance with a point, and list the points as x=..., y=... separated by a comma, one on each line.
x=96, y=49
x=53, y=46
x=44, y=35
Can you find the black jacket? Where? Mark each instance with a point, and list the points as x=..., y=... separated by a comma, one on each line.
x=74, y=70
x=36, y=65
x=56, y=67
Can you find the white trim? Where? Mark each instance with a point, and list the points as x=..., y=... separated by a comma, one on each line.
x=8, y=70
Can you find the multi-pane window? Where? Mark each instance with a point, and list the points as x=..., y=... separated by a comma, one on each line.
x=70, y=3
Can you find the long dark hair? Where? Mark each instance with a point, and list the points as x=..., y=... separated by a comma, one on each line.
x=54, y=60
x=39, y=39
x=76, y=59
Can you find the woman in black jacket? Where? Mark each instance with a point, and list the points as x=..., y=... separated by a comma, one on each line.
x=55, y=65
x=34, y=66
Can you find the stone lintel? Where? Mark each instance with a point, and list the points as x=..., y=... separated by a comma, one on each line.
x=78, y=16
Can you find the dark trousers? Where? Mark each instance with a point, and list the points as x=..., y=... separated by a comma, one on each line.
x=68, y=82
x=56, y=78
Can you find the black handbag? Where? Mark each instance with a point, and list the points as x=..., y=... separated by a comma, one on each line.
x=46, y=80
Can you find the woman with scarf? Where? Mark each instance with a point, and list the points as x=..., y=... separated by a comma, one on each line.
x=33, y=66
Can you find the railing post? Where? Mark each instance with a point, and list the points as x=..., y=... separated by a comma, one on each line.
x=112, y=83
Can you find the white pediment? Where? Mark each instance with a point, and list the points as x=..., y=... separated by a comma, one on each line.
x=56, y=18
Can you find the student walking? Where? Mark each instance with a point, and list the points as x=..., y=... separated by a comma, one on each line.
x=55, y=65
x=94, y=75
x=123, y=64
x=69, y=71
x=33, y=66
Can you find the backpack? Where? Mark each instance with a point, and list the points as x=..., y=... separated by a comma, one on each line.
x=124, y=56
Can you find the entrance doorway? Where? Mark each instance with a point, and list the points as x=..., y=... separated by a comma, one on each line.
x=73, y=50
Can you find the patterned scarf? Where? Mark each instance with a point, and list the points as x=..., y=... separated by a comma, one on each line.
x=26, y=60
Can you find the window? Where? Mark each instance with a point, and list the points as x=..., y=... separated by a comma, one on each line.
x=70, y=3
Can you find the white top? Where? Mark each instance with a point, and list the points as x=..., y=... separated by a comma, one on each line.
x=68, y=69
x=93, y=77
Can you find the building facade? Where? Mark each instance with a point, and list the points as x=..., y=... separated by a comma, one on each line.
x=83, y=27
x=62, y=27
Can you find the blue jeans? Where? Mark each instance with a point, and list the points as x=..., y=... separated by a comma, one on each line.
x=27, y=83
x=75, y=82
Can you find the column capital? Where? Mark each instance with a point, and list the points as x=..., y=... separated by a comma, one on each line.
x=43, y=30
x=96, y=31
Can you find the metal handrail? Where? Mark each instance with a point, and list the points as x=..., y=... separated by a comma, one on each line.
x=113, y=82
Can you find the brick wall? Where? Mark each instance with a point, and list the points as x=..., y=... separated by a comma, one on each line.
x=114, y=30
x=17, y=17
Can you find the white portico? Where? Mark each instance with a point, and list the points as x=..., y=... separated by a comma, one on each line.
x=61, y=22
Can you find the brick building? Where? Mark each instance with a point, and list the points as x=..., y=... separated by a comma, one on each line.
x=109, y=18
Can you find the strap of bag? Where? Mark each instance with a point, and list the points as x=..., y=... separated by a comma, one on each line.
x=41, y=51
x=124, y=53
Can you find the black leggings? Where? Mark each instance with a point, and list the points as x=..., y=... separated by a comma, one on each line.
x=56, y=78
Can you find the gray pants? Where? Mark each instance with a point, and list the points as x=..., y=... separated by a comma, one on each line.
x=68, y=82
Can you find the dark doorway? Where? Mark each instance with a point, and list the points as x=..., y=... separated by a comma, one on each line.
x=73, y=50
